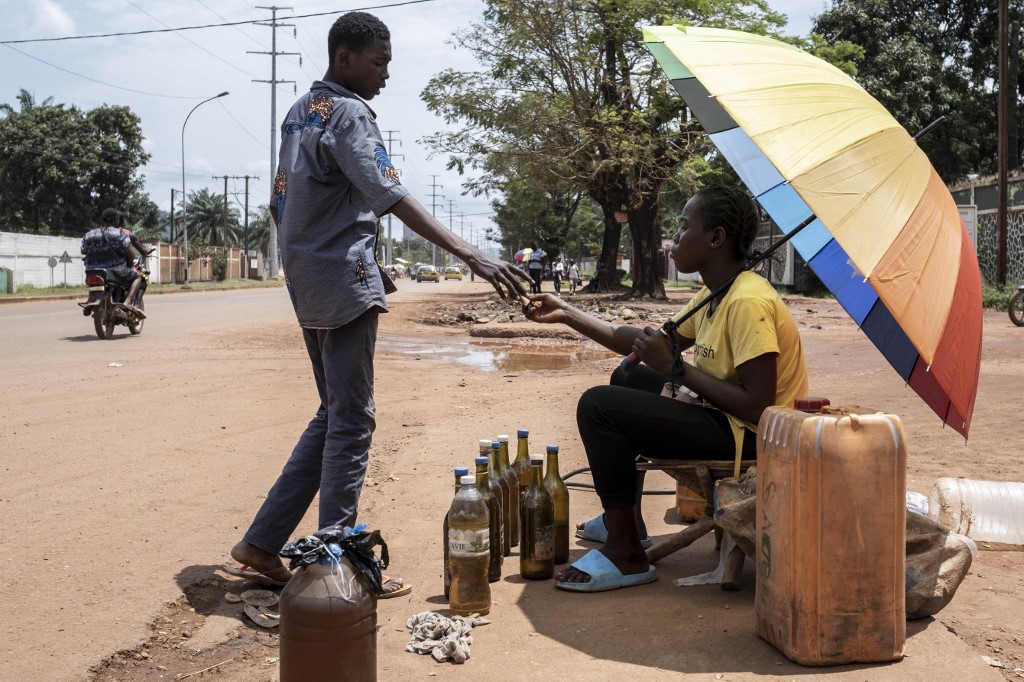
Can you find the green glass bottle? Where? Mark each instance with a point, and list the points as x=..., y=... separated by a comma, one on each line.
x=499, y=487
x=536, y=549
x=459, y=473
x=521, y=467
x=513, y=490
x=555, y=486
x=494, y=518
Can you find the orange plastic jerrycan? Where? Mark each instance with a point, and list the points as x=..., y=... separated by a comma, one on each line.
x=831, y=534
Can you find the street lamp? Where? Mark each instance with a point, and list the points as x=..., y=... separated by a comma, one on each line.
x=184, y=213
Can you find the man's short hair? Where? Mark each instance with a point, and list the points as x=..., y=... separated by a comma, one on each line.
x=112, y=216
x=355, y=30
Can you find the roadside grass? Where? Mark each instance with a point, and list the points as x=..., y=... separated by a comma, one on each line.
x=29, y=291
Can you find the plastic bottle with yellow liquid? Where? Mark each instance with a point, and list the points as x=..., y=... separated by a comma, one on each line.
x=469, y=550
x=559, y=494
x=459, y=473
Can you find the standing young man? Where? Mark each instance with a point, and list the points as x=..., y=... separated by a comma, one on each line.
x=334, y=181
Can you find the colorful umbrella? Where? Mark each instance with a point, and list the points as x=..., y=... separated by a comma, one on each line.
x=522, y=254
x=886, y=239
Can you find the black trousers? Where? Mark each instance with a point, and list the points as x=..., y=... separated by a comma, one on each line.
x=630, y=418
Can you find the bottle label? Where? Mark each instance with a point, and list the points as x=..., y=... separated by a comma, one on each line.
x=544, y=545
x=469, y=543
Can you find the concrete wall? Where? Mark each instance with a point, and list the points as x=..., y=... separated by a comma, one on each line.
x=27, y=256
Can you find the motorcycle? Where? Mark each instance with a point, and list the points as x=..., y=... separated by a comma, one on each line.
x=1016, y=307
x=106, y=304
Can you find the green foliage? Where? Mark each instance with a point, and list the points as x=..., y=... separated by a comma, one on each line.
x=928, y=58
x=205, y=216
x=60, y=166
x=572, y=103
x=219, y=265
x=996, y=297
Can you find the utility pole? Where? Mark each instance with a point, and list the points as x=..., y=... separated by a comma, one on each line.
x=451, y=215
x=224, y=234
x=390, y=256
x=245, y=229
x=433, y=211
x=274, y=25
x=172, y=214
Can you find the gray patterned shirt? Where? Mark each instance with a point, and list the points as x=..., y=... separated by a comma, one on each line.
x=334, y=180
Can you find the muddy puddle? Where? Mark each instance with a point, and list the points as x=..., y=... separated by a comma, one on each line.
x=493, y=357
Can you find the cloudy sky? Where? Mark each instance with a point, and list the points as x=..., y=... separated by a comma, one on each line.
x=161, y=76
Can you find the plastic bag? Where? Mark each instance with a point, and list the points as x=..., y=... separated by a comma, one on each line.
x=327, y=545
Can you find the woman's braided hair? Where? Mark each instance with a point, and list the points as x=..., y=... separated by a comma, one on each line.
x=732, y=209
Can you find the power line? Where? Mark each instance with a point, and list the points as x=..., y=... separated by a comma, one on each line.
x=203, y=26
x=89, y=78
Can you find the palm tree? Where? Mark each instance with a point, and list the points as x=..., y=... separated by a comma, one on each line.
x=206, y=220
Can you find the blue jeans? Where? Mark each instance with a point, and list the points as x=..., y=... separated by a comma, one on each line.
x=332, y=453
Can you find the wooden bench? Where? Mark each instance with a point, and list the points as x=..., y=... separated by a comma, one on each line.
x=698, y=476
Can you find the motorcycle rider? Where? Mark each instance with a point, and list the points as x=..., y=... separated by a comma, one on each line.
x=110, y=247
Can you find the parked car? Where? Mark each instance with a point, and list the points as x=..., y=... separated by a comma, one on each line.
x=452, y=272
x=428, y=273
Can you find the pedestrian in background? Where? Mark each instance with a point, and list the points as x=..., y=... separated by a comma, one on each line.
x=557, y=272
x=574, y=277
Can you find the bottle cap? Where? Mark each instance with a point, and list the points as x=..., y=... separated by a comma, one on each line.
x=468, y=480
x=481, y=460
x=485, y=441
x=461, y=471
x=537, y=459
x=495, y=445
x=503, y=438
x=552, y=448
x=522, y=433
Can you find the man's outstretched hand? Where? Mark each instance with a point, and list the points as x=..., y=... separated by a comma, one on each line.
x=506, y=278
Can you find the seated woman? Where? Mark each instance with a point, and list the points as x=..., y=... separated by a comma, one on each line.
x=746, y=357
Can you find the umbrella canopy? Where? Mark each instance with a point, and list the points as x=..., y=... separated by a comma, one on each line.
x=887, y=238
x=522, y=254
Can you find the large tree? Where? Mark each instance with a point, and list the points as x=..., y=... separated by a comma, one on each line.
x=60, y=166
x=928, y=58
x=568, y=89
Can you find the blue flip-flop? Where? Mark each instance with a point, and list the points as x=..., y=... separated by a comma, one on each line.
x=604, y=575
x=595, y=531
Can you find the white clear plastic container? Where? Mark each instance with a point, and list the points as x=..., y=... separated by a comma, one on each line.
x=986, y=511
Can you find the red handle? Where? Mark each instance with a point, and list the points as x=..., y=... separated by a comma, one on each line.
x=629, y=362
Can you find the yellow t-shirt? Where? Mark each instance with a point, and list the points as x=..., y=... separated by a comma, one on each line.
x=751, y=320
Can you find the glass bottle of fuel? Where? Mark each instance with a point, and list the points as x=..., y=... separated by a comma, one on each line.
x=469, y=550
x=555, y=486
x=494, y=519
x=536, y=548
x=513, y=491
x=499, y=487
x=521, y=466
x=459, y=473
x=487, y=450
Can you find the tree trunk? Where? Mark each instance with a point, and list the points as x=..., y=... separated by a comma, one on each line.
x=609, y=248
x=643, y=226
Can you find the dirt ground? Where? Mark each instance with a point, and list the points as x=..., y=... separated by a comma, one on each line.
x=112, y=554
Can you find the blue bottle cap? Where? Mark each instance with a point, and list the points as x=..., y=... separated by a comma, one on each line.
x=495, y=445
x=522, y=433
x=481, y=460
x=461, y=471
x=552, y=448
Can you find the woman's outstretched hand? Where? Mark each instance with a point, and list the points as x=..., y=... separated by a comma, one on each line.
x=544, y=308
